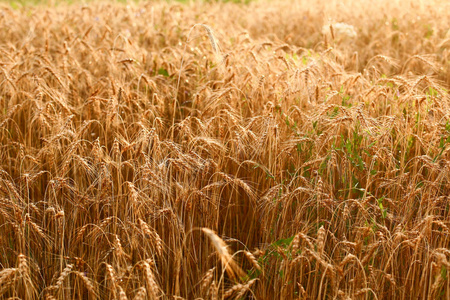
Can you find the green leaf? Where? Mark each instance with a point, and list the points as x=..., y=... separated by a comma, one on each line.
x=447, y=127
x=162, y=71
x=380, y=205
x=283, y=242
x=444, y=272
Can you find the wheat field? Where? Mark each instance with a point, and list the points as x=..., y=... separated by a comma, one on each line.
x=220, y=150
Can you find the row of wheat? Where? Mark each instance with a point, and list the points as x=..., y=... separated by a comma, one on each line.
x=264, y=155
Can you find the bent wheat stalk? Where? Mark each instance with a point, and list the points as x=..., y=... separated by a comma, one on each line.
x=229, y=264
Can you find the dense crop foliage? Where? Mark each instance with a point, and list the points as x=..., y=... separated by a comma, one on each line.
x=272, y=150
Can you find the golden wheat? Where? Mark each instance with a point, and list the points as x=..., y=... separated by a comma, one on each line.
x=146, y=147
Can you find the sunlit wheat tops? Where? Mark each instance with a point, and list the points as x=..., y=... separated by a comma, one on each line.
x=221, y=150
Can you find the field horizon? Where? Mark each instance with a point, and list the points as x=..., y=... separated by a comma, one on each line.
x=221, y=150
